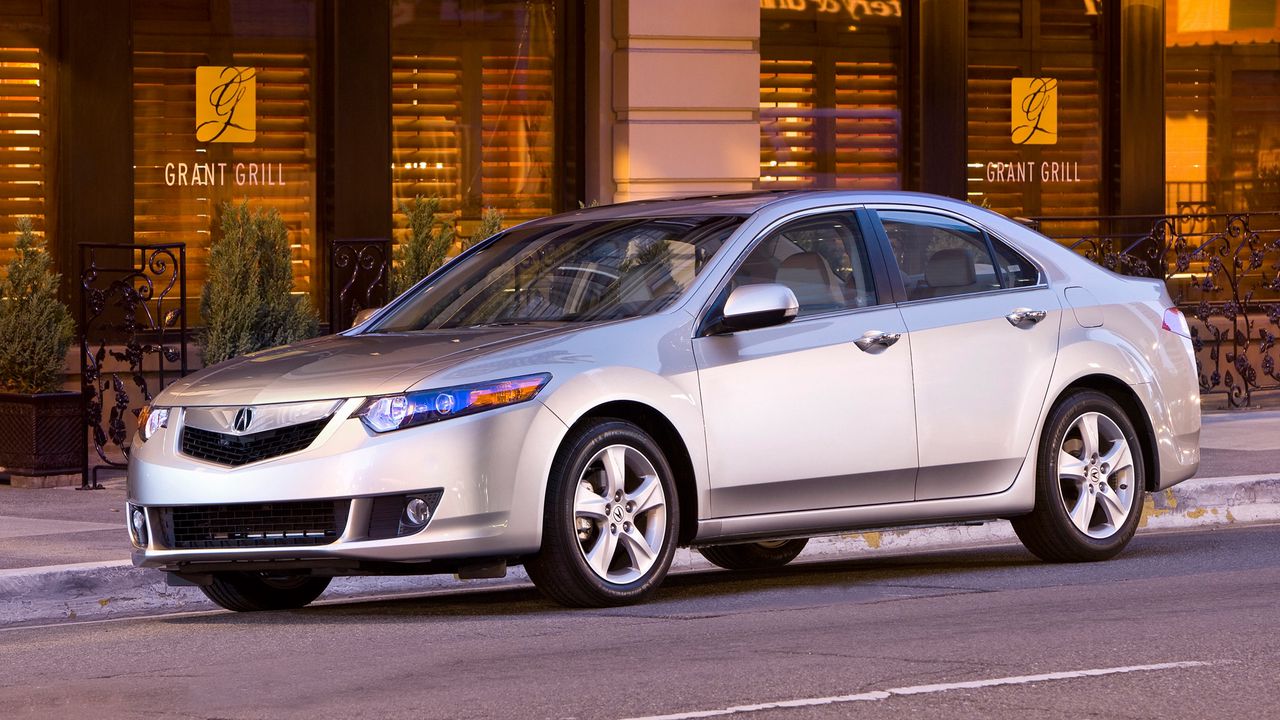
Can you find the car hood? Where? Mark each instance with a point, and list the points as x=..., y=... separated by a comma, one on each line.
x=338, y=366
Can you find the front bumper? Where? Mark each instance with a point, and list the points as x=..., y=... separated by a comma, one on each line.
x=489, y=470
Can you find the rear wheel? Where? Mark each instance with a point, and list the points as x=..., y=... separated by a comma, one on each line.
x=754, y=556
x=610, y=526
x=249, y=592
x=1090, y=481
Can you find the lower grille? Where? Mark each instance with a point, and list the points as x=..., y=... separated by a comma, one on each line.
x=310, y=522
x=236, y=450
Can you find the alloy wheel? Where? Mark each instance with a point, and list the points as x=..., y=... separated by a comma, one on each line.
x=1096, y=475
x=620, y=514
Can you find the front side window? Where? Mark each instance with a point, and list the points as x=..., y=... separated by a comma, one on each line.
x=562, y=273
x=938, y=256
x=823, y=259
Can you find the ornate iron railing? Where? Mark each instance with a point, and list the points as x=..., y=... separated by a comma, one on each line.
x=359, y=271
x=129, y=314
x=1223, y=272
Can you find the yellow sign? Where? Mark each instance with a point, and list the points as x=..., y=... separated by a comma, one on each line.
x=226, y=100
x=1034, y=111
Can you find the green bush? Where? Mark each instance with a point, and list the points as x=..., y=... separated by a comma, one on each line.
x=428, y=244
x=490, y=224
x=35, y=327
x=248, y=302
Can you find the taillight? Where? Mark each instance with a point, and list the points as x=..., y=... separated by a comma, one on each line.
x=1176, y=323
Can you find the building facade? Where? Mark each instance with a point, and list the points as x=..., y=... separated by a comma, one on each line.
x=132, y=121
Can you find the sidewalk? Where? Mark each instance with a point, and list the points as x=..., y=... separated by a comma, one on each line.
x=65, y=552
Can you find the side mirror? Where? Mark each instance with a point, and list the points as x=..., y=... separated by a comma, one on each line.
x=363, y=315
x=758, y=306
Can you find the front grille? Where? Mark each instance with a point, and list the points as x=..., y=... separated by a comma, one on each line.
x=236, y=450
x=310, y=522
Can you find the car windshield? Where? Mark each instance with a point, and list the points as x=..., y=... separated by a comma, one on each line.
x=572, y=272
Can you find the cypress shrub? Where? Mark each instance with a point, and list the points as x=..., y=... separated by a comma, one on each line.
x=428, y=244
x=248, y=302
x=490, y=224
x=35, y=326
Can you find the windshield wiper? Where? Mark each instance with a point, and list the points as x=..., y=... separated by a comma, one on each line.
x=507, y=323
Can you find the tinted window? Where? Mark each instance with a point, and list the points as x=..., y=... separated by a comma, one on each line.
x=1016, y=270
x=822, y=259
x=577, y=272
x=939, y=256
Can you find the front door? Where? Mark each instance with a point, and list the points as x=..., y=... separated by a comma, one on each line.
x=798, y=416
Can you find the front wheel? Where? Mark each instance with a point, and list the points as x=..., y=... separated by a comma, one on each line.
x=610, y=525
x=1090, y=481
x=250, y=592
x=764, y=555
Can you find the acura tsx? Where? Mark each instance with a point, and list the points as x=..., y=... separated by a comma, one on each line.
x=584, y=393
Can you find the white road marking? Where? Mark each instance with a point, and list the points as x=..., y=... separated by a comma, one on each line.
x=925, y=690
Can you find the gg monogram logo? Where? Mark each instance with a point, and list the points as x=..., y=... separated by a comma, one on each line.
x=225, y=104
x=1035, y=111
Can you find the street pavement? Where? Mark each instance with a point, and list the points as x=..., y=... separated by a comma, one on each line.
x=1181, y=625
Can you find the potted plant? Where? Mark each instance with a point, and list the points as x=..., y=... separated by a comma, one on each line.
x=431, y=240
x=41, y=429
x=249, y=302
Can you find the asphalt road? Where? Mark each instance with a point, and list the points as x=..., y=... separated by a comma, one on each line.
x=893, y=636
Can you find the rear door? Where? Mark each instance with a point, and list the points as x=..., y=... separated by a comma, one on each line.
x=798, y=416
x=984, y=340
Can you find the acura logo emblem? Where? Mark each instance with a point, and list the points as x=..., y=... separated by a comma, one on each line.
x=244, y=418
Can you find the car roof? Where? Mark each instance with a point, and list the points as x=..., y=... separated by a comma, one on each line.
x=745, y=203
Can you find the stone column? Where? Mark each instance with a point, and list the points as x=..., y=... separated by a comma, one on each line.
x=684, y=118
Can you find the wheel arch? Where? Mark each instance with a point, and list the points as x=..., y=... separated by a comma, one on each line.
x=673, y=446
x=1134, y=409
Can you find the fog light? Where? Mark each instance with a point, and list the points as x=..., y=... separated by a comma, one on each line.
x=417, y=512
x=138, y=523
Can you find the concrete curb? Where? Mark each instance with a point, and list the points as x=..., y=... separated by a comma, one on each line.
x=117, y=589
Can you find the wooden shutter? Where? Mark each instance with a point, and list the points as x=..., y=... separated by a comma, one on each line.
x=788, y=124
x=26, y=122
x=1254, y=161
x=1075, y=20
x=868, y=124
x=1188, y=91
x=832, y=99
x=995, y=18
x=1080, y=124
x=518, y=146
x=286, y=143
x=427, y=137
x=473, y=109
x=164, y=133
x=23, y=136
x=987, y=128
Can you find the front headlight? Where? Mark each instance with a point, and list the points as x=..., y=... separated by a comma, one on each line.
x=150, y=420
x=396, y=412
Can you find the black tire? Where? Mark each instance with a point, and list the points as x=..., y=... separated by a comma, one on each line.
x=754, y=556
x=251, y=592
x=1048, y=531
x=560, y=569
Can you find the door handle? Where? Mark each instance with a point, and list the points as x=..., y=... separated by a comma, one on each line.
x=1024, y=315
x=874, y=338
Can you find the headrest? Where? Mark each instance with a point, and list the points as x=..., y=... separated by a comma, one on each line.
x=811, y=279
x=953, y=267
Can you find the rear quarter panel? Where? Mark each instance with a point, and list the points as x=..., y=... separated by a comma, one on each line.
x=1157, y=364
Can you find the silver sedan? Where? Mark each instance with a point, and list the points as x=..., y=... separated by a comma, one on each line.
x=583, y=394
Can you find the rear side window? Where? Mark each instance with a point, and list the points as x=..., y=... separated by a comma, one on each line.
x=1016, y=270
x=939, y=256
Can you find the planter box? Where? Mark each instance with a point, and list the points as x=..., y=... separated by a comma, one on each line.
x=42, y=438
